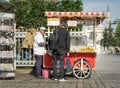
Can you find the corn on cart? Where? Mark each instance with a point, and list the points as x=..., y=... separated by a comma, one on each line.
x=82, y=60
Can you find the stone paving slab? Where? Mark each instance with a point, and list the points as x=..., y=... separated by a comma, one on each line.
x=97, y=80
x=106, y=75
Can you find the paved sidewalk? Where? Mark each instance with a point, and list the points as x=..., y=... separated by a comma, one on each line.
x=106, y=75
x=97, y=80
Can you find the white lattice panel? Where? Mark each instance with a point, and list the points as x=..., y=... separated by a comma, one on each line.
x=19, y=36
x=25, y=63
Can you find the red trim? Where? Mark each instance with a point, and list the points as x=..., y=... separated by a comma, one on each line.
x=49, y=13
x=76, y=14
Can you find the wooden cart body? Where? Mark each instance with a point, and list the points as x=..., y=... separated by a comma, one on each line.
x=81, y=63
x=88, y=56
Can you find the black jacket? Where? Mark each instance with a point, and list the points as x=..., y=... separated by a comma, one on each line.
x=63, y=42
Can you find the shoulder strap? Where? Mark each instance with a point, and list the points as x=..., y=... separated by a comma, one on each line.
x=56, y=31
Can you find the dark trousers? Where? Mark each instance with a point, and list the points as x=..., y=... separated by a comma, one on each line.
x=39, y=59
x=58, y=55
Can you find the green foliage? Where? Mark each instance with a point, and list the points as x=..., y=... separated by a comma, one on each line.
x=108, y=38
x=118, y=28
x=117, y=35
x=30, y=13
x=105, y=38
x=70, y=5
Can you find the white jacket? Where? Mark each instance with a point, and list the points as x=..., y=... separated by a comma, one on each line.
x=39, y=50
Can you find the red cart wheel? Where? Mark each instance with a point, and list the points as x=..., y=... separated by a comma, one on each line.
x=82, y=69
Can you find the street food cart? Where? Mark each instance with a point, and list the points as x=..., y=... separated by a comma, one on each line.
x=82, y=60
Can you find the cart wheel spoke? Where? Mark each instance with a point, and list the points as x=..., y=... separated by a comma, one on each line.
x=83, y=71
x=78, y=65
x=79, y=72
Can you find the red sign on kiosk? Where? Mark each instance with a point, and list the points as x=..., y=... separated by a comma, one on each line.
x=72, y=23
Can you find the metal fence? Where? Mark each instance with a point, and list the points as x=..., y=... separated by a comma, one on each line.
x=25, y=57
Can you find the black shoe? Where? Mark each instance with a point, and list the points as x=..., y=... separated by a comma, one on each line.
x=55, y=79
x=40, y=77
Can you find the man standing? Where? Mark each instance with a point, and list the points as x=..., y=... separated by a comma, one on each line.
x=39, y=49
x=62, y=48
